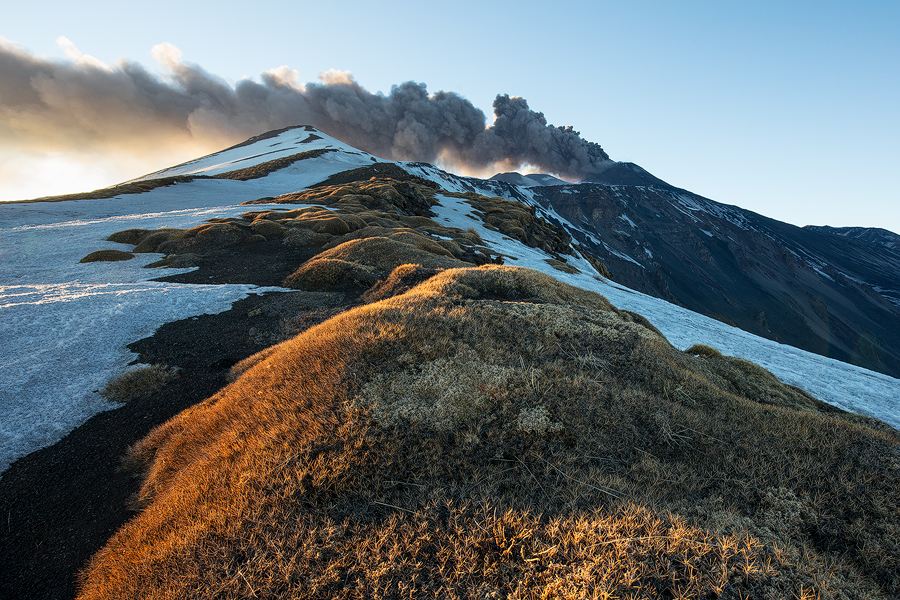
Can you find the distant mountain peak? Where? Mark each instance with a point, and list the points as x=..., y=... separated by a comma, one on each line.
x=628, y=173
x=618, y=173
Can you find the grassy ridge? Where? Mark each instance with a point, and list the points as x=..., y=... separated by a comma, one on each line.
x=493, y=433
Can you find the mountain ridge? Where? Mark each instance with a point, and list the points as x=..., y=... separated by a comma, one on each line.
x=753, y=269
x=404, y=384
x=780, y=281
x=770, y=278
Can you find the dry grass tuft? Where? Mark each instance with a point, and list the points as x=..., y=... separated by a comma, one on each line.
x=325, y=273
x=494, y=433
x=378, y=209
x=153, y=239
x=299, y=237
x=137, y=383
x=561, y=266
x=410, y=196
x=703, y=350
x=398, y=282
x=268, y=229
x=519, y=222
x=363, y=262
x=128, y=236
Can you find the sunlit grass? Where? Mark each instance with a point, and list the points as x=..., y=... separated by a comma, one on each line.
x=494, y=433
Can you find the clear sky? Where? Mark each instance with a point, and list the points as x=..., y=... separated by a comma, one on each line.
x=790, y=109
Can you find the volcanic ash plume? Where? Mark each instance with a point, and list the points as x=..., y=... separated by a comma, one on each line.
x=85, y=105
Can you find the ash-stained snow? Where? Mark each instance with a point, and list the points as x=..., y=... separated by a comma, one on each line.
x=65, y=325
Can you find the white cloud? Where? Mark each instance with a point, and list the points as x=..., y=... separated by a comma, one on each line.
x=78, y=57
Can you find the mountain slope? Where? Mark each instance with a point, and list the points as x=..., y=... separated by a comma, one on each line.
x=197, y=190
x=834, y=296
x=385, y=253
x=874, y=235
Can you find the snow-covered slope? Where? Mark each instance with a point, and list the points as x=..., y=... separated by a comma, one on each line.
x=65, y=325
x=874, y=235
x=830, y=294
x=282, y=143
x=528, y=180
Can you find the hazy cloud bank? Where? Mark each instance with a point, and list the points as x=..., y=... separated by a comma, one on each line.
x=85, y=105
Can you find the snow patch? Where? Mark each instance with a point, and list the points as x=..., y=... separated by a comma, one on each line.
x=65, y=325
x=627, y=220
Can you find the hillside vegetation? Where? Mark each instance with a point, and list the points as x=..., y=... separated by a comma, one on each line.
x=489, y=432
x=455, y=428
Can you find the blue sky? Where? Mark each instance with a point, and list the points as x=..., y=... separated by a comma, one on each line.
x=787, y=109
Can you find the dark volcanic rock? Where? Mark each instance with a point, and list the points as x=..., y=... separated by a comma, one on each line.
x=875, y=235
x=836, y=295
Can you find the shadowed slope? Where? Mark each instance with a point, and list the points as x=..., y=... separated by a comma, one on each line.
x=832, y=295
x=494, y=433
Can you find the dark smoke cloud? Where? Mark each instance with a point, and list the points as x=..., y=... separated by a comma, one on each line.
x=83, y=104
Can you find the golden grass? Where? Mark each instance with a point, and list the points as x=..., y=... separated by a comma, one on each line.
x=151, y=241
x=561, y=266
x=704, y=350
x=519, y=222
x=494, y=433
x=383, y=194
x=358, y=221
x=400, y=280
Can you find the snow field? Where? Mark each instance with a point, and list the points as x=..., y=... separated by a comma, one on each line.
x=65, y=325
